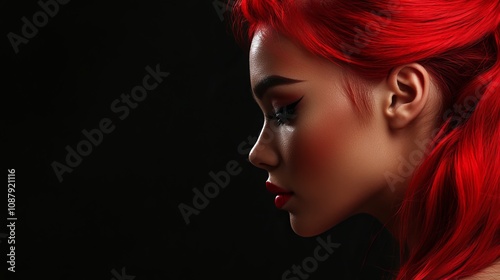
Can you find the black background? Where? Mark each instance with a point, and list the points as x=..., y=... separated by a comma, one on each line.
x=117, y=211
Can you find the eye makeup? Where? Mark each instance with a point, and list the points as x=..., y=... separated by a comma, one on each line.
x=285, y=114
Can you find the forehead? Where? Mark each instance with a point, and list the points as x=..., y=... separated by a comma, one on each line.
x=274, y=54
x=271, y=52
x=267, y=43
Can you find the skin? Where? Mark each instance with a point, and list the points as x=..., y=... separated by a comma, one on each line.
x=490, y=273
x=333, y=160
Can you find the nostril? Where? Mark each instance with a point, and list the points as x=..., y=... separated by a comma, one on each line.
x=263, y=153
x=255, y=159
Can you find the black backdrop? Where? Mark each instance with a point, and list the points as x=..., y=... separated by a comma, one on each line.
x=68, y=69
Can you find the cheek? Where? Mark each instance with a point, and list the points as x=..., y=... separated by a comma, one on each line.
x=334, y=149
x=320, y=142
x=313, y=151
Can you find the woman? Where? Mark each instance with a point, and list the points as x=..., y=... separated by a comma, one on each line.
x=385, y=108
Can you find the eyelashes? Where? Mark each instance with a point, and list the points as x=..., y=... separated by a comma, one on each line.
x=284, y=114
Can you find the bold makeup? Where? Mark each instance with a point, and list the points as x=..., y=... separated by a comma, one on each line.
x=282, y=195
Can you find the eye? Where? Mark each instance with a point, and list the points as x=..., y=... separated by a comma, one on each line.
x=284, y=114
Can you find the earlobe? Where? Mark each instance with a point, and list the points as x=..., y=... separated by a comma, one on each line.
x=408, y=93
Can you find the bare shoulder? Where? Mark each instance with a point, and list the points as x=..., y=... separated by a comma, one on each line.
x=492, y=272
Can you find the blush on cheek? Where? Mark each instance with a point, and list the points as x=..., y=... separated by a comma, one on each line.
x=312, y=152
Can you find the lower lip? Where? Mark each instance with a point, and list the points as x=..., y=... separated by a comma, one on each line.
x=281, y=199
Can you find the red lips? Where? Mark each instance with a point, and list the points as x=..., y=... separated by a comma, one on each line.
x=282, y=195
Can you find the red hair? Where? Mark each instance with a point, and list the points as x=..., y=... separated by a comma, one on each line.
x=453, y=198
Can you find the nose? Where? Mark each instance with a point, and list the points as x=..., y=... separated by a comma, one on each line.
x=264, y=153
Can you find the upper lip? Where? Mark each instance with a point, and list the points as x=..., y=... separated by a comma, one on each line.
x=275, y=189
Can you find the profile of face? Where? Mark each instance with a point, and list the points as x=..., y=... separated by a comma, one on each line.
x=328, y=162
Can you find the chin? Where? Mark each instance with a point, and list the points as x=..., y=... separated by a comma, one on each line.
x=303, y=227
x=306, y=233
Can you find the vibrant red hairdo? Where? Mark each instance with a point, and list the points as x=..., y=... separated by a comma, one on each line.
x=450, y=217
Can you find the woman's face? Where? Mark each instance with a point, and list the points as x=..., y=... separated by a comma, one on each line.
x=320, y=150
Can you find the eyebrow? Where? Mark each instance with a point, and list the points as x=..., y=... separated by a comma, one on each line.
x=271, y=81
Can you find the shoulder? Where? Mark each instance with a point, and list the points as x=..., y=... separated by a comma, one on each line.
x=491, y=272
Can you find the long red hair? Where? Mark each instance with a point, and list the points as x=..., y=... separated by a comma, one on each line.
x=453, y=198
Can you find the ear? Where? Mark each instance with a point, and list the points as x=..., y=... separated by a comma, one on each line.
x=408, y=93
